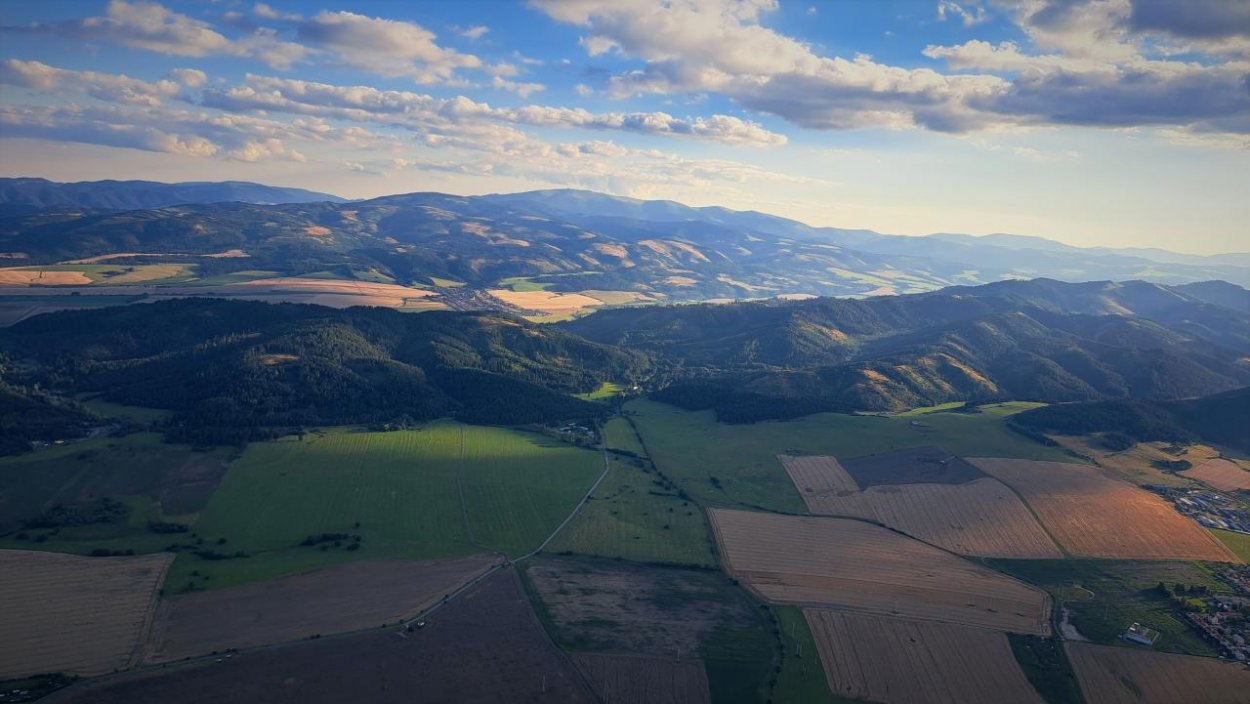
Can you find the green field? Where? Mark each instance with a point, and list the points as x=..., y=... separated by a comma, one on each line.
x=619, y=434
x=523, y=283
x=400, y=491
x=736, y=465
x=1105, y=596
x=605, y=391
x=119, y=411
x=1239, y=543
x=802, y=677
x=633, y=516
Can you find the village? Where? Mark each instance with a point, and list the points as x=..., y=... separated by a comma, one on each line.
x=1210, y=508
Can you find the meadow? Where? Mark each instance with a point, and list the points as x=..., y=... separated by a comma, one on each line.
x=730, y=466
x=443, y=490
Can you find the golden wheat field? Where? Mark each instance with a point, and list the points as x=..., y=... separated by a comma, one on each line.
x=1221, y=474
x=1093, y=515
x=826, y=487
x=77, y=615
x=1110, y=675
x=864, y=567
x=893, y=661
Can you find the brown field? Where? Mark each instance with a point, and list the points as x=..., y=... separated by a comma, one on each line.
x=331, y=600
x=893, y=661
x=485, y=647
x=864, y=567
x=1136, y=464
x=1093, y=515
x=1111, y=675
x=627, y=679
x=826, y=487
x=1221, y=474
x=77, y=615
x=35, y=277
x=545, y=301
x=982, y=517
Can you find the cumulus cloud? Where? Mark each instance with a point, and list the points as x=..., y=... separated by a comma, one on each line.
x=475, y=32
x=971, y=15
x=108, y=87
x=385, y=47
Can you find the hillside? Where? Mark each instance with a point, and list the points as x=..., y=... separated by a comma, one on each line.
x=238, y=371
x=27, y=195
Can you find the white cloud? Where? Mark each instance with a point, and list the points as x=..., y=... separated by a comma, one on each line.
x=108, y=87
x=474, y=33
x=385, y=47
x=974, y=16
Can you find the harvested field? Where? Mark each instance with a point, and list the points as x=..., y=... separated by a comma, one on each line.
x=1221, y=474
x=363, y=293
x=893, y=661
x=626, y=679
x=483, y=648
x=982, y=518
x=826, y=487
x=36, y=277
x=545, y=301
x=864, y=567
x=1093, y=515
x=1111, y=675
x=917, y=465
x=331, y=600
x=77, y=615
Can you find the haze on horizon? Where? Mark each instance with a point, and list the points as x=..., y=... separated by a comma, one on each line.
x=1100, y=123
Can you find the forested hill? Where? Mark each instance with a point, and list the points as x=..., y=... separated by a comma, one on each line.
x=28, y=195
x=1038, y=340
x=244, y=370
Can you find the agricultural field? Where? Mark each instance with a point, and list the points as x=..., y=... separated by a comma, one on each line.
x=894, y=661
x=601, y=606
x=545, y=301
x=928, y=465
x=444, y=490
x=736, y=466
x=981, y=517
x=619, y=434
x=75, y=615
x=864, y=567
x=627, y=679
x=1222, y=474
x=482, y=648
x=634, y=515
x=321, y=602
x=15, y=308
x=1102, y=597
x=1133, y=676
x=802, y=678
x=1143, y=463
x=83, y=274
x=1239, y=543
x=1092, y=515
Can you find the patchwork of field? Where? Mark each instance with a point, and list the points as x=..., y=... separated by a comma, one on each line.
x=981, y=517
x=1093, y=515
x=893, y=661
x=77, y=615
x=1222, y=474
x=864, y=567
x=320, y=602
x=443, y=490
x=1141, y=464
x=929, y=465
x=482, y=648
x=39, y=277
x=627, y=679
x=545, y=301
x=1110, y=675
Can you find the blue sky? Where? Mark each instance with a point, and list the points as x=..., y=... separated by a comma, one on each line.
x=1095, y=122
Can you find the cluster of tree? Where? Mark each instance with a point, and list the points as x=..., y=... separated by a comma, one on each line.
x=102, y=510
x=167, y=527
x=28, y=415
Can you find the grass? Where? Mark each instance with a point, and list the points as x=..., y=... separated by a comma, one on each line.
x=1116, y=593
x=736, y=465
x=618, y=433
x=1239, y=543
x=236, y=277
x=523, y=283
x=138, y=414
x=400, y=491
x=125, y=273
x=1045, y=664
x=445, y=283
x=605, y=391
x=632, y=516
x=802, y=677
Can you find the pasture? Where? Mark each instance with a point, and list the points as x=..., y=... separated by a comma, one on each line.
x=1220, y=473
x=893, y=661
x=321, y=602
x=443, y=490
x=736, y=466
x=864, y=567
x=634, y=515
x=75, y=615
x=1093, y=515
x=1132, y=676
x=1239, y=543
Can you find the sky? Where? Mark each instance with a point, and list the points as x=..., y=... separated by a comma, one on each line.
x=1097, y=123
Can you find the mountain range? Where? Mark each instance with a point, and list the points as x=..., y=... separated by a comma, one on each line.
x=27, y=195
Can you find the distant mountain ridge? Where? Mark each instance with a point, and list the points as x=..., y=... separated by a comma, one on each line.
x=27, y=195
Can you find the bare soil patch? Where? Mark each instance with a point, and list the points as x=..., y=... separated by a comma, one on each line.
x=918, y=465
x=1111, y=675
x=484, y=647
x=71, y=614
x=1093, y=515
x=331, y=600
x=626, y=679
x=893, y=661
x=864, y=567
x=1222, y=474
